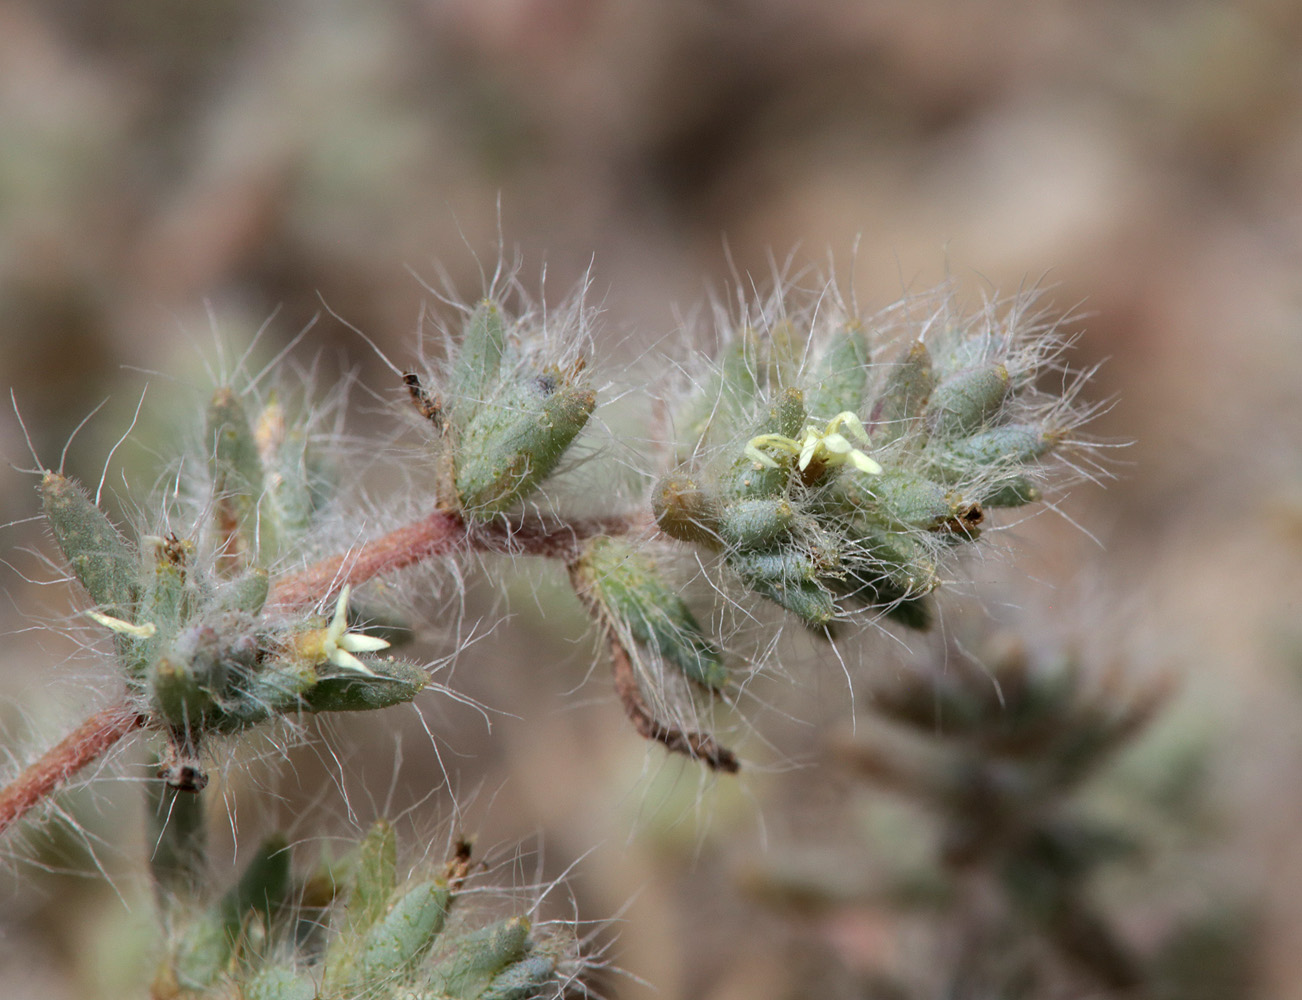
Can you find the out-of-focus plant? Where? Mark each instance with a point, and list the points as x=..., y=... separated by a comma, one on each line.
x=1012, y=767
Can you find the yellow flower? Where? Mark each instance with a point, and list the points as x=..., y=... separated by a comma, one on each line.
x=828, y=446
x=335, y=644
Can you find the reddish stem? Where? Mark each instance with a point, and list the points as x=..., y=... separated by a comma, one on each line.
x=83, y=745
x=698, y=746
x=439, y=534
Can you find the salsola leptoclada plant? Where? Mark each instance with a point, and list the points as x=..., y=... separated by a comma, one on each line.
x=830, y=465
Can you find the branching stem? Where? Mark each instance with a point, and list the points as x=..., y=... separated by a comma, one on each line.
x=440, y=533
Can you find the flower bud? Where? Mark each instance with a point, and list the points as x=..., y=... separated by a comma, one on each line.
x=686, y=511
x=966, y=400
x=178, y=697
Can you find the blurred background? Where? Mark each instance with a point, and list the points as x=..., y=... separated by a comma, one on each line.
x=176, y=175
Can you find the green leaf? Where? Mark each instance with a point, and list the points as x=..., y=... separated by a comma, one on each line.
x=478, y=957
x=637, y=601
x=965, y=401
x=95, y=551
x=532, y=978
x=236, y=468
x=516, y=440
x=475, y=373
x=403, y=935
x=757, y=523
x=179, y=838
x=395, y=682
x=279, y=982
x=374, y=876
x=904, y=397
x=840, y=376
x=208, y=948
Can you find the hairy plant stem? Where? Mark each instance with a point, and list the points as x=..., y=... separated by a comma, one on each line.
x=84, y=744
x=698, y=746
x=444, y=533
x=441, y=533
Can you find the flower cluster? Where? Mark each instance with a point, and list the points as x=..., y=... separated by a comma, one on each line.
x=819, y=462
x=835, y=473
x=201, y=648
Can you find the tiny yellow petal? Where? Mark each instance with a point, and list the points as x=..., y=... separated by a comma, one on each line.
x=340, y=620
x=126, y=628
x=807, y=452
x=837, y=444
x=340, y=657
x=355, y=642
x=855, y=425
x=864, y=464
